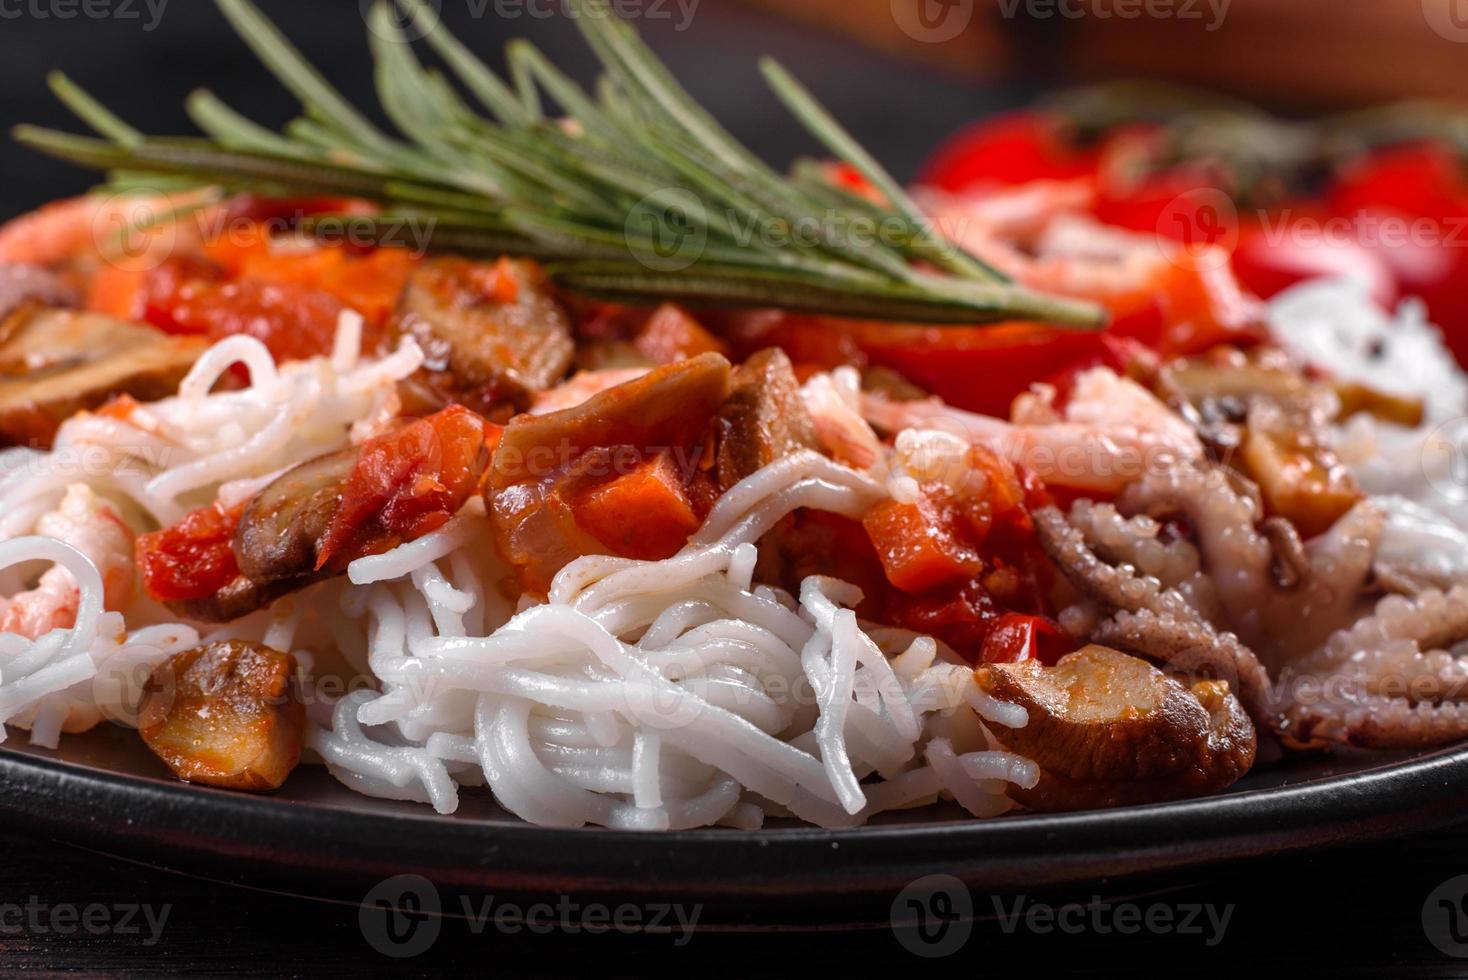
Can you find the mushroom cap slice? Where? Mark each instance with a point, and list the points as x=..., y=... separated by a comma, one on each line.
x=226, y=714
x=1109, y=729
x=55, y=363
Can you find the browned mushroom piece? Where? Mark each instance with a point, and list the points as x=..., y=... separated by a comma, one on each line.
x=283, y=526
x=763, y=419
x=55, y=363
x=1108, y=729
x=541, y=458
x=491, y=333
x=227, y=714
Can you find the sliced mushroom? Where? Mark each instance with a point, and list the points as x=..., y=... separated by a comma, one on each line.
x=491, y=332
x=1109, y=729
x=1357, y=399
x=540, y=455
x=56, y=363
x=1301, y=479
x=764, y=418
x=282, y=527
x=227, y=714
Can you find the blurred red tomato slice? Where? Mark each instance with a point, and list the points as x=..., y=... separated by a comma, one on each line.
x=1012, y=149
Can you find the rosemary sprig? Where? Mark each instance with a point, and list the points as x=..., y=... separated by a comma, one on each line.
x=636, y=194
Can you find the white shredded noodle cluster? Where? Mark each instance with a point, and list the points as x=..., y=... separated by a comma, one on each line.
x=642, y=695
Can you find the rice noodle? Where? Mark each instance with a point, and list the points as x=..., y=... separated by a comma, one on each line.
x=687, y=677
x=639, y=695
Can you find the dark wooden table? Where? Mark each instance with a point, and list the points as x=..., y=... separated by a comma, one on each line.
x=1352, y=912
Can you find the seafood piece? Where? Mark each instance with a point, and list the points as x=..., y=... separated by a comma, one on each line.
x=1151, y=620
x=1111, y=432
x=1389, y=680
x=90, y=525
x=1277, y=620
x=583, y=387
x=82, y=227
x=1108, y=729
x=834, y=402
x=54, y=364
x=227, y=714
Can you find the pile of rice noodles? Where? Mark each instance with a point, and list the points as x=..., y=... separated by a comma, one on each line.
x=643, y=695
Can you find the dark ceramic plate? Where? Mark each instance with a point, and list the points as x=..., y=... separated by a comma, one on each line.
x=104, y=791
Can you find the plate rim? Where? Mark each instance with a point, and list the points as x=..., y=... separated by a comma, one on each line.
x=244, y=834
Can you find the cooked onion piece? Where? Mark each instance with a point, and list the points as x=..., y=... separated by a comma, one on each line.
x=227, y=714
x=1108, y=729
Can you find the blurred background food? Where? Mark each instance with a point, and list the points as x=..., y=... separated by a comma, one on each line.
x=903, y=73
x=1305, y=54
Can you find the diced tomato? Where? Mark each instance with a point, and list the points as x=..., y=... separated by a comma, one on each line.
x=961, y=617
x=294, y=322
x=193, y=559
x=408, y=483
x=644, y=514
x=671, y=334
x=930, y=543
x=1015, y=637
x=1012, y=149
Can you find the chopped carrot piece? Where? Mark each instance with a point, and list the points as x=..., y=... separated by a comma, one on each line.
x=644, y=514
x=672, y=335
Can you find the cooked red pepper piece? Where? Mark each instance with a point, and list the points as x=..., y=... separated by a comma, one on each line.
x=193, y=559
x=1016, y=636
x=408, y=483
